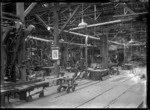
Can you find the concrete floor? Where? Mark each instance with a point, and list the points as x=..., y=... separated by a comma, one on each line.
x=126, y=90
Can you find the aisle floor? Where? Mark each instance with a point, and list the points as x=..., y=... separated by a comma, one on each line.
x=126, y=90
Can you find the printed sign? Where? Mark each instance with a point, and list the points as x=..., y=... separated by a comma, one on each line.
x=55, y=54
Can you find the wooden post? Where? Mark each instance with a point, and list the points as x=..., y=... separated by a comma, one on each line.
x=2, y=53
x=124, y=54
x=20, y=11
x=56, y=38
x=86, y=54
x=66, y=53
x=104, y=51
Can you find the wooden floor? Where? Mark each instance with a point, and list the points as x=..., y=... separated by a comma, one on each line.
x=119, y=91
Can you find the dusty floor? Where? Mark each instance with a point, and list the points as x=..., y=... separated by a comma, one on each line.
x=126, y=90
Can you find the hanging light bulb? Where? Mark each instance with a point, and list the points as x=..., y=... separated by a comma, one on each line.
x=48, y=28
x=131, y=41
x=82, y=24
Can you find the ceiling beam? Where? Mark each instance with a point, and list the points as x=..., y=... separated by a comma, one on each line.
x=29, y=9
x=69, y=18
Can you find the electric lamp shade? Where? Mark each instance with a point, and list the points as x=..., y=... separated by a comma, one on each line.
x=82, y=24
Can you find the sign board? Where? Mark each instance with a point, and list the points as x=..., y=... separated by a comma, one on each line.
x=55, y=53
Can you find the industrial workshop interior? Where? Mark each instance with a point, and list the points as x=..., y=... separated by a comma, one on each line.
x=74, y=54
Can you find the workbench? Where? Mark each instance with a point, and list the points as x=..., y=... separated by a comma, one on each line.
x=97, y=74
x=22, y=89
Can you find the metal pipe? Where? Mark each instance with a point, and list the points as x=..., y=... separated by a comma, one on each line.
x=79, y=34
x=40, y=39
x=99, y=24
x=44, y=40
x=130, y=14
x=83, y=35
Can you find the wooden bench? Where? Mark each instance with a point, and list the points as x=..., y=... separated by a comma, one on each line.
x=22, y=90
x=6, y=93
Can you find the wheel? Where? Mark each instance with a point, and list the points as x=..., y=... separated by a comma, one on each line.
x=41, y=94
x=68, y=90
x=29, y=98
x=59, y=89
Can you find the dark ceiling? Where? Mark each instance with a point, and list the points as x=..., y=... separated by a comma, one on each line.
x=94, y=13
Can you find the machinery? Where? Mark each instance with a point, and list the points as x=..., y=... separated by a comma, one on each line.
x=20, y=69
x=13, y=42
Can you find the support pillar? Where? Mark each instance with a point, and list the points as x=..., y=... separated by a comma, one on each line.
x=124, y=53
x=20, y=11
x=2, y=53
x=104, y=51
x=86, y=54
x=56, y=37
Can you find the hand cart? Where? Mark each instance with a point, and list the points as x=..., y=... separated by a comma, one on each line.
x=67, y=83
